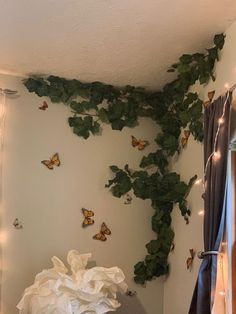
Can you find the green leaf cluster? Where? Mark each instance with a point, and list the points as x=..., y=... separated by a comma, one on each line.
x=165, y=191
x=173, y=108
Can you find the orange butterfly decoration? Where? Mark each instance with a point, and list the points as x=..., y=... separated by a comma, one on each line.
x=141, y=144
x=103, y=232
x=210, y=98
x=88, y=221
x=44, y=106
x=54, y=161
x=184, y=139
x=189, y=261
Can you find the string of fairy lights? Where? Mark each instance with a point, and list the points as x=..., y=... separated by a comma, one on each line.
x=215, y=156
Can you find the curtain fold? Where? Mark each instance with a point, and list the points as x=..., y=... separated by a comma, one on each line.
x=214, y=199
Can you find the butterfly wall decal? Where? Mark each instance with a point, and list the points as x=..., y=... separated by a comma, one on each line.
x=44, y=106
x=54, y=161
x=184, y=139
x=210, y=98
x=131, y=293
x=141, y=144
x=88, y=221
x=17, y=224
x=102, y=233
x=189, y=261
x=128, y=199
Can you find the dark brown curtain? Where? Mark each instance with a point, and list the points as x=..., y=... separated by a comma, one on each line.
x=214, y=200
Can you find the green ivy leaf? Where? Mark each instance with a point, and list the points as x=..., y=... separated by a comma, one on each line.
x=121, y=184
x=168, y=142
x=83, y=126
x=153, y=246
x=219, y=41
x=103, y=115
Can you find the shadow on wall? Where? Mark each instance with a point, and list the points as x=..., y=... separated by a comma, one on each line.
x=130, y=305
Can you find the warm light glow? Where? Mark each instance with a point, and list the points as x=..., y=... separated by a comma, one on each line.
x=216, y=155
x=198, y=182
x=3, y=237
x=226, y=85
x=201, y=212
x=221, y=121
x=222, y=293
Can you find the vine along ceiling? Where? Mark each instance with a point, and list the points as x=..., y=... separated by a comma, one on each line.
x=118, y=42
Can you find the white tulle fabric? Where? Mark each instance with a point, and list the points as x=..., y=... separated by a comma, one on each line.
x=87, y=291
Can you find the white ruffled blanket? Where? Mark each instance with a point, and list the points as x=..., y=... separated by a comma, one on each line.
x=90, y=291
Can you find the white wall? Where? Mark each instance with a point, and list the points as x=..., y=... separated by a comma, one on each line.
x=179, y=286
x=49, y=202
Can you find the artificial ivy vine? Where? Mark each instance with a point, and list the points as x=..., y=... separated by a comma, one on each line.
x=173, y=108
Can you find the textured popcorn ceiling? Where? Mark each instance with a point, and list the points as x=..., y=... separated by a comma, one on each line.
x=115, y=41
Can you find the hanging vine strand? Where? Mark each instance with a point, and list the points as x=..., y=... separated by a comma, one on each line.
x=173, y=108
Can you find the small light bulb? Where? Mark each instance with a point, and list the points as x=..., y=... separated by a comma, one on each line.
x=222, y=293
x=226, y=85
x=201, y=212
x=221, y=121
x=198, y=182
x=216, y=155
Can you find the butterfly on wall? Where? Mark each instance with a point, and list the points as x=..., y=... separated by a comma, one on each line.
x=141, y=144
x=44, y=106
x=184, y=139
x=54, y=161
x=88, y=221
x=189, y=261
x=210, y=98
x=102, y=233
x=17, y=224
x=128, y=199
x=131, y=293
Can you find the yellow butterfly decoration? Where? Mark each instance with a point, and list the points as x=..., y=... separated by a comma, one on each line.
x=102, y=233
x=54, y=161
x=189, y=261
x=184, y=139
x=210, y=98
x=88, y=221
x=141, y=144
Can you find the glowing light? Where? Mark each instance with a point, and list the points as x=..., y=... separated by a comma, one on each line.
x=222, y=293
x=221, y=121
x=216, y=155
x=226, y=85
x=3, y=237
x=201, y=212
x=198, y=182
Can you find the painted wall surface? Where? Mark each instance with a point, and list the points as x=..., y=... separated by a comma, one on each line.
x=49, y=203
x=179, y=286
